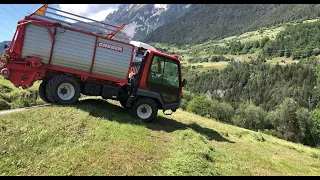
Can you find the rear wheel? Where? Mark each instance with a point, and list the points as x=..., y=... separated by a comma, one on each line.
x=42, y=91
x=145, y=109
x=63, y=90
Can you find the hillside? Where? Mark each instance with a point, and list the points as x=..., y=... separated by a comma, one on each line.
x=288, y=42
x=217, y=21
x=265, y=80
x=142, y=19
x=96, y=137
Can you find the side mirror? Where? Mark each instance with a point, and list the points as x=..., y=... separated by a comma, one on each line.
x=5, y=46
x=184, y=82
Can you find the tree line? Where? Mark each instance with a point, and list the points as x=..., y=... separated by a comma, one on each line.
x=281, y=100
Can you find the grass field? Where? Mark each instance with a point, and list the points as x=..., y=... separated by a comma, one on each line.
x=210, y=65
x=279, y=59
x=98, y=137
x=257, y=35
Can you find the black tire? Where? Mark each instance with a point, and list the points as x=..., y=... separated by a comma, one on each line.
x=52, y=90
x=145, y=102
x=123, y=103
x=42, y=91
x=123, y=96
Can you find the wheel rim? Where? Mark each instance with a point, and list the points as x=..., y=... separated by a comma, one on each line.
x=144, y=111
x=66, y=91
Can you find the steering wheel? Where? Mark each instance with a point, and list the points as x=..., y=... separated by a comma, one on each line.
x=154, y=74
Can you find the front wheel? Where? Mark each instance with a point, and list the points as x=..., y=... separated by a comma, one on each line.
x=145, y=109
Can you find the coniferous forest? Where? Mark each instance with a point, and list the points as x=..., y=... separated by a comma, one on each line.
x=278, y=99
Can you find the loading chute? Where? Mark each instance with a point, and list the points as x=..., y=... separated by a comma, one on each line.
x=49, y=13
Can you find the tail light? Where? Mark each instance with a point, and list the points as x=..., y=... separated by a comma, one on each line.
x=5, y=72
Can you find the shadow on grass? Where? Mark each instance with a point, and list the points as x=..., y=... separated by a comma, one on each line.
x=103, y=109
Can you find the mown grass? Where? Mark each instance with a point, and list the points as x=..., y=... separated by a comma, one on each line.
x=98, y=137
x=12, y=97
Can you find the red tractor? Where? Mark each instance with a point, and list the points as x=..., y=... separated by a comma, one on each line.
x=74, y=57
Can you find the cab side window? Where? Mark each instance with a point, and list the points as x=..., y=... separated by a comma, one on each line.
x=171, y=74
x=164, y=71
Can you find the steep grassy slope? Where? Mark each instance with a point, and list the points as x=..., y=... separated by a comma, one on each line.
x=97, y=137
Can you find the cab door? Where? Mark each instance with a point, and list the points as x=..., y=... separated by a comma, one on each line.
x=164, y=77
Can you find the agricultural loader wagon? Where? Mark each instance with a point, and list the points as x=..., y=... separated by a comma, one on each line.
x=75, y=55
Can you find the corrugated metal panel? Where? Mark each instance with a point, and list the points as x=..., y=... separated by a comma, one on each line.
x=37, y=42
x=110, y=62
x=73, y=50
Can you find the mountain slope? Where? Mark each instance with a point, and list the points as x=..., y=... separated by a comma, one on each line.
x=2, y=46
x=96, y=137
x=141, y=19
x=216, y=21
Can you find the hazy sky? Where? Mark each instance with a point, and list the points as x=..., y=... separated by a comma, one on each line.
x=10, y=14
